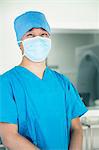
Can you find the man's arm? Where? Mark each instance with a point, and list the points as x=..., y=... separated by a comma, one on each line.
x=76, y=135
x=12, y=140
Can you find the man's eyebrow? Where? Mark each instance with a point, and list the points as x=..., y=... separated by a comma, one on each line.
x=43, y=30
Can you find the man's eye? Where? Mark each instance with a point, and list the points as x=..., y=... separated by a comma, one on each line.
x=29, y=35
x=44, y=35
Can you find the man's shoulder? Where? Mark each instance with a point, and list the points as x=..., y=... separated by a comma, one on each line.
x=61, y=75
x=7, y=74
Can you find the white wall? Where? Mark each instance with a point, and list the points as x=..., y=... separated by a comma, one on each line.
x=68, y=14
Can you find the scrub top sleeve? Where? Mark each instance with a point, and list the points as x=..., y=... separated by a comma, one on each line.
x=76, y=104
x=8, y=110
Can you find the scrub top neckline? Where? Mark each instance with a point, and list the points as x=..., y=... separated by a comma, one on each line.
x=33, y=74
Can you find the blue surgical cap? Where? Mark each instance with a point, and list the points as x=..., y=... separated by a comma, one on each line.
x=29, y=20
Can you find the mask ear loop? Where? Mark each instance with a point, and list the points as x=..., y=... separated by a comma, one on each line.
x=19, y=46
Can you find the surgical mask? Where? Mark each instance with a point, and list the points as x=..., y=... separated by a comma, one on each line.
x=37, y=48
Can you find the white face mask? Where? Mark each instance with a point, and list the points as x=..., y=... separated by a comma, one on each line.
x=37, y=48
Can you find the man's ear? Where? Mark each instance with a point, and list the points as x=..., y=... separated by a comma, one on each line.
x=22, y=48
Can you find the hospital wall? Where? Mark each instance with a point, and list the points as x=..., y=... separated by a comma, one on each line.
x=96, y=39
x=67, y=14
x=63, y=52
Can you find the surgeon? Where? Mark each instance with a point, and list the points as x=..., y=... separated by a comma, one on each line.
x=40, y=109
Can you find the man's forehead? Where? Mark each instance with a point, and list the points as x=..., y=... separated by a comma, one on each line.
x=37, y=29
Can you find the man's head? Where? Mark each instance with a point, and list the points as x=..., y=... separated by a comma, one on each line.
x=29, y=20
x=28, y=26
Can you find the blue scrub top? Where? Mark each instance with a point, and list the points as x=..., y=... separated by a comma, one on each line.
x=42, y=108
